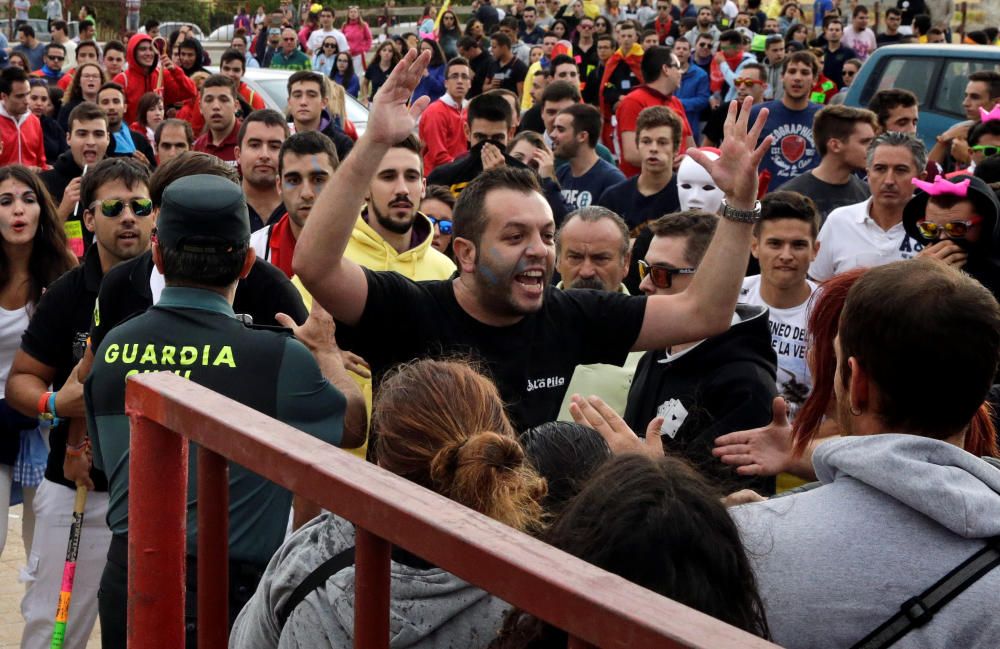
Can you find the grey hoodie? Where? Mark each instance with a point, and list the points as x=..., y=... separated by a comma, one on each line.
x=895, y=514
x=430, y=609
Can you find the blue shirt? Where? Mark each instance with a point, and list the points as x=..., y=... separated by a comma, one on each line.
x=793, y=151
x=820, y=9
x=582, y=191
x=694, y=93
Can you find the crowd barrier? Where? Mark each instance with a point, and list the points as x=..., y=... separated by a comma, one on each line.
x=596, y=608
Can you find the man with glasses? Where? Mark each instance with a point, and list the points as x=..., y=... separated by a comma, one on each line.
x=703, y=53
x=984, y=141
x=441, y=128
x=55, y=56
x=705, y=388
x=290, y=57
x=664, y=24
x=117, y=210
x=584, y=49
x=662, y=72
x=955, y=220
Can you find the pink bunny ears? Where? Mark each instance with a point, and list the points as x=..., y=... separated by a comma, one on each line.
x=942, y=186
x=990, y=116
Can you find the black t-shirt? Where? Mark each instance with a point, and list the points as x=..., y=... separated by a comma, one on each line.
x=57, y=337
x=625, y=200
x=481, y=66
x=125, y=292
x=888, y=39
x=376, y=77
x=531, y=361
x=509, y=75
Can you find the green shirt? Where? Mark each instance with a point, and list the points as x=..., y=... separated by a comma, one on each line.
x=297, y=60
x=194, y=333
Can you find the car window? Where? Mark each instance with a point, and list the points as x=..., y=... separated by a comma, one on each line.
x=276, y=90
x=913, y=74
x=951, y=90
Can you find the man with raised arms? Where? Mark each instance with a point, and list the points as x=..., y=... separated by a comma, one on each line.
x=501, y=308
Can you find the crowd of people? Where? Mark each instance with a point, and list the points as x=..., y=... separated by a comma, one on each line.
x=630, y=278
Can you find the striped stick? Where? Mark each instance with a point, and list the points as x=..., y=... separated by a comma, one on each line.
x=69, y=570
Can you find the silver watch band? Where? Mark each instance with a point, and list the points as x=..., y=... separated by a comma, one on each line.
x=740, y=216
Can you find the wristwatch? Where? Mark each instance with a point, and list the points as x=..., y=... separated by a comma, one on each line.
x=740, y=216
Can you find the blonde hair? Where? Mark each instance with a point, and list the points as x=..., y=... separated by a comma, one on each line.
x=442, y=425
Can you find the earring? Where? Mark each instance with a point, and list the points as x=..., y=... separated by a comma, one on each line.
x=856, y=414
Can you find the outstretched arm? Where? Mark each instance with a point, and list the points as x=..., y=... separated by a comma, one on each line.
x=337, y=283
x=706, y=308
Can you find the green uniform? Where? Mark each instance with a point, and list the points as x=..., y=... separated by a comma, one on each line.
x=195, y=333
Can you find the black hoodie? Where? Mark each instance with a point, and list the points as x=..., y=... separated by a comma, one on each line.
x=56, y=179
x=199, y=59
x=984, y=256
x=463, y=170
x=725, y=383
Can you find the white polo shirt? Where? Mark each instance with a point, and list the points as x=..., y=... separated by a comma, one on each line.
x=850, y=238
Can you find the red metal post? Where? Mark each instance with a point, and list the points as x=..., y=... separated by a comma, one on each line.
x=371, y=591
x=156, y=541
x=213, y=550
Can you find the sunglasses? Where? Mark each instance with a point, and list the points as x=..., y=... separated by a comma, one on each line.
x=443, y=226
x=954, y=229
x=662, y=276
x=744, y=81
x=57, y=58
x=113, y=207
x=987, y=149
x=329, y=45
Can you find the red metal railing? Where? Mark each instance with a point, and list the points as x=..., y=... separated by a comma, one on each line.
x=595, y=607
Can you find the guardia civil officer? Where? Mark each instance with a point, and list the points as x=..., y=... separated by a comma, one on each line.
x=202, y=249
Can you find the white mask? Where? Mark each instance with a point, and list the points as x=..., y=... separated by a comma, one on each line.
x=695, y=188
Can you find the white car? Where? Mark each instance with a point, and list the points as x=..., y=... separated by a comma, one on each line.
x=168, y=28
x=273, y=87
x=225, y=33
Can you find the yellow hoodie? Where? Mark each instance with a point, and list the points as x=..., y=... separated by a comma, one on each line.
x=367, y=248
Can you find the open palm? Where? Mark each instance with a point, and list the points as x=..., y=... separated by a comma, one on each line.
x=735, y=171
x=392, y=118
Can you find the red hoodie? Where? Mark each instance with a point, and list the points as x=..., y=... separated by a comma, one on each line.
x=137, y=81
x=23, y=142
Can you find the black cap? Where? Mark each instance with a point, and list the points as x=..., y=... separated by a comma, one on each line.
x=203, y=213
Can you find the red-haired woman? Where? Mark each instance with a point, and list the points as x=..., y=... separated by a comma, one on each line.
x=781, y=447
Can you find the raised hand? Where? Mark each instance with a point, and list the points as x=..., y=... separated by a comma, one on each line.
x=759, y=451
x=391, y=119
x=735, y=171
x=596, y=414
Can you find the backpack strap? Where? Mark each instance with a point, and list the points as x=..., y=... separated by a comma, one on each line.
x=917, y=611
x=313, y=581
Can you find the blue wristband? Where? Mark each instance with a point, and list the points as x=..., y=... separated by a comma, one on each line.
x=52, y=409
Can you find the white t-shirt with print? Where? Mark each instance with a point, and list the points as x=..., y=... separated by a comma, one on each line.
x=789, y=333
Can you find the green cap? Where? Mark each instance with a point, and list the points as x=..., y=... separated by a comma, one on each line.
x=203, y=213
x=759, y=43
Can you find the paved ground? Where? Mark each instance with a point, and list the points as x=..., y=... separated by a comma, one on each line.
x=11, y=590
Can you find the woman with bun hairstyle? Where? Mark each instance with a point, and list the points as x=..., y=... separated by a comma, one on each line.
x=462, y=448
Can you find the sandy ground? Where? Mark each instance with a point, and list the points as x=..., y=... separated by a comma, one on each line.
x=11, y=590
